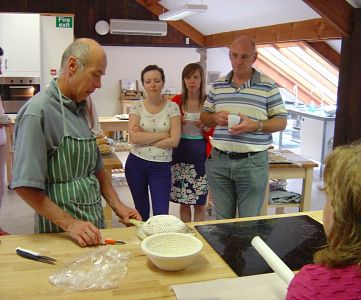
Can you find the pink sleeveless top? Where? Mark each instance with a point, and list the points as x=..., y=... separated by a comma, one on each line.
x=317, y=282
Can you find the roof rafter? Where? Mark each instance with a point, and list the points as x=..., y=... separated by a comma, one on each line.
x=338, y=13
x=326, y=51
x=309, y=30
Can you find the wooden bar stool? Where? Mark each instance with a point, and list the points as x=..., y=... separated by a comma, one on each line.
x=111, y=162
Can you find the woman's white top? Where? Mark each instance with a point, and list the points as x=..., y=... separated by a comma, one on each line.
x=159, y=122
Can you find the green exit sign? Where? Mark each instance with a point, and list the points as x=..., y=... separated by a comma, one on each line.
x=64, y=22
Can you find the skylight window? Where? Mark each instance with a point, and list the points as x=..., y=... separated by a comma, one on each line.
x=294, y=64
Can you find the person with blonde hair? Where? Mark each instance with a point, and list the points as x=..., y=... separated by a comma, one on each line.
x=336, y=273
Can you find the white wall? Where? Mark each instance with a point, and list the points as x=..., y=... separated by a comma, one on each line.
x=128, y=62
x=53, y=41
x=218, y=60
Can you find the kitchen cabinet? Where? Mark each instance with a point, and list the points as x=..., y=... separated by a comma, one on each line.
x=311, y=138
x=316, y=137
x=20, y=39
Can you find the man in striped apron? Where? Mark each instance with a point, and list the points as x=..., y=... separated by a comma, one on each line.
x=58, y=168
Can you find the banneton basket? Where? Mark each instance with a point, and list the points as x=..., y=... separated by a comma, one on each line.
x=161, y=224
x=171, y=251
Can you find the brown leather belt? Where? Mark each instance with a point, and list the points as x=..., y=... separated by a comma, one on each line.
x=235, y=155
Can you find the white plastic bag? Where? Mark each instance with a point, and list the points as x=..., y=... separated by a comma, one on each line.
x=102, y=268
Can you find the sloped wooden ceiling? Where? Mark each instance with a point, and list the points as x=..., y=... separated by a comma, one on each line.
x=338, y=13
x=336, y=23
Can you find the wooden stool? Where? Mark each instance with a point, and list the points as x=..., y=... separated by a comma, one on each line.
x=111, y=162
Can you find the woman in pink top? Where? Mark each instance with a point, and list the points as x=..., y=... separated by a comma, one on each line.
x=337, y=272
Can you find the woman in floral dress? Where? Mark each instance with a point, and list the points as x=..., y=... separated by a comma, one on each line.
x=189, y=184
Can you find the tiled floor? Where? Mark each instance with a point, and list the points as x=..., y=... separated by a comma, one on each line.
x=17, y=217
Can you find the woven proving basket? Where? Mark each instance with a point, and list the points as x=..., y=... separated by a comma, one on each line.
x=163, y=223
x=171, y=251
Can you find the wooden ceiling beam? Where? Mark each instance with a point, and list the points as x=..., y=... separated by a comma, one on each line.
x=309, y=30
x=338, y=13
x=181, y=26
x=326, y=51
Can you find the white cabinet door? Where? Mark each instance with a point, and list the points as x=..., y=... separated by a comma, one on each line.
x=316, y=138
x=1, y=34
x=1, y=45
x=21, y=44
x=311, y=138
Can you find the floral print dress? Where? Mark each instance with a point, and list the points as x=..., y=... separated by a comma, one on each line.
x=189, y=183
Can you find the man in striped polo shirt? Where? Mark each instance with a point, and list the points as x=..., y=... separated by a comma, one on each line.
x=237, y=170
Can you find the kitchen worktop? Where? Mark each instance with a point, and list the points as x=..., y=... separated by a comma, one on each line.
x=304, y=111
x=28, y=279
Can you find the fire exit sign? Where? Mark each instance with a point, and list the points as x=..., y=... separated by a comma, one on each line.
x=64, y=22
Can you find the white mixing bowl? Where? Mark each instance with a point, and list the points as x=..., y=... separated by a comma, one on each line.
x=171, y=251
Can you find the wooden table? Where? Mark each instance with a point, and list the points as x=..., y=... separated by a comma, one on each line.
x=113, y=124
x=106, y=123
x=301, y=168
x=26, y=279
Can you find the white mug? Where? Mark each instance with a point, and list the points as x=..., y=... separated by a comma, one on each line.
x=233, y=120
x=191, y=116
x=4, y=119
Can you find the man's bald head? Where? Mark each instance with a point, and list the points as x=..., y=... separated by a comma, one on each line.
x=81, y=50
x=83, y=64
x=242, y=54
x=244, y=41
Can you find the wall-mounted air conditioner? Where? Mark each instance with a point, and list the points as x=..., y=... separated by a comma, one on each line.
x=138, y=27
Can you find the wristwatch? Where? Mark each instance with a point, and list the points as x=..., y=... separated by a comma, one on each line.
x=260, y=128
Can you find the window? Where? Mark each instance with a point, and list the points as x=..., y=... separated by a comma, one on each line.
x=300, y=70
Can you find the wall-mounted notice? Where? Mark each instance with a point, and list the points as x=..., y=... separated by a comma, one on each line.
x=64, y=22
